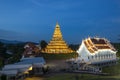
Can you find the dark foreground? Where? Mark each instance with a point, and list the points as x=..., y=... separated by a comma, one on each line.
x=74, y=76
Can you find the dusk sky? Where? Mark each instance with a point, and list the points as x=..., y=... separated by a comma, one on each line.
x=35, y=20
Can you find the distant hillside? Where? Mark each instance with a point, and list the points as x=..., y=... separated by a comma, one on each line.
x=10, y=41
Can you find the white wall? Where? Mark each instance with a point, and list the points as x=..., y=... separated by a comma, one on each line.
x=83, y=52
x=98, y=56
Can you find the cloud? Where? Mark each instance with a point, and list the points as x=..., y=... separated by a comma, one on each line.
x=55, y=4
x=12, y=35
x=116, y=20
x=35, y=2
x=5, y=34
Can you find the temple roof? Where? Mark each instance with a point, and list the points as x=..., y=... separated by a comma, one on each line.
x=57, y=32
x=57, y=43
x=95, y=44
x=98, y=41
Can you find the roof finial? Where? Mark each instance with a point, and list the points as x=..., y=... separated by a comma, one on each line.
x=57, y=23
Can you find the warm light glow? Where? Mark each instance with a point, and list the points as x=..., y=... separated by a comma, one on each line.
x=30, y=68
x=26, y=72
x=57, y=44
x=96, y=47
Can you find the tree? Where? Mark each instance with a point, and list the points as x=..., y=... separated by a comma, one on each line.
x=17, y=50
x=74, y=46
x=43, y=44
x=2, y=49
x=3, y=77
x=118, y=37
x=1, y=63
x=2, y=54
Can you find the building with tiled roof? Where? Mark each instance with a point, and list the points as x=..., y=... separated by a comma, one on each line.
x=97, y=50
x=31, y=50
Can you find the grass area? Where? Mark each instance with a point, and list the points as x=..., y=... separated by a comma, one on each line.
x=68, y=76
x=118, y=54
x=82, y=77
x=59, y=56
x=117, y=47
x=113, y=70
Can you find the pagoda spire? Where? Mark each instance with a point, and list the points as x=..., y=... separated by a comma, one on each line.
x=57, y=23
x=57, y=32
x=57, y=44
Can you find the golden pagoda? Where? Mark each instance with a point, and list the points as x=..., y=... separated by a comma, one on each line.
x=57, y=44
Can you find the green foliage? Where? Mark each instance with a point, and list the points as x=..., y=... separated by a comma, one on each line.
x=74, y=47
x=113, y=70
x=1, y=63
x=117, y=47
x=2, y=49
x=72, y=76
x=81, y=77
x=17, y=50
x=3, y=77
x=43, y=44
x=3, y=54
x=59, y=56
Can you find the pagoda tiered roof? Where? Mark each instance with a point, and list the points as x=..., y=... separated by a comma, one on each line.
x=95, y=44
x=57, y=44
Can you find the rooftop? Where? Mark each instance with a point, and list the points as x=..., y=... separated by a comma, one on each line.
x=95, y=44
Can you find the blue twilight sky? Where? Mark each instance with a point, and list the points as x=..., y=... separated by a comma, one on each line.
x=34, y=20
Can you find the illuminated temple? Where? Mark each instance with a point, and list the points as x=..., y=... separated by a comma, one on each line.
x=97, y=51
x=57, y=44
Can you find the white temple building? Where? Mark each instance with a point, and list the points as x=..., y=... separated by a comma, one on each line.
x=97, y=51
